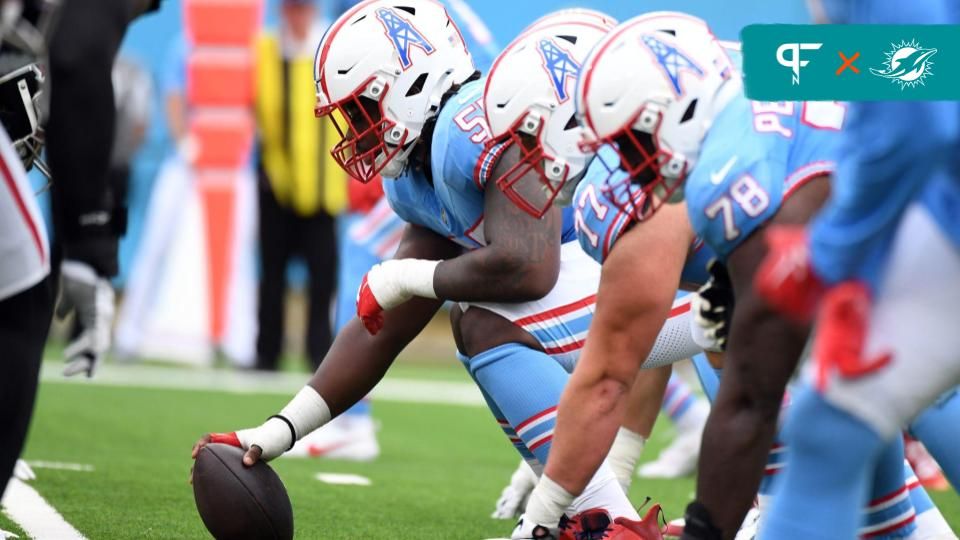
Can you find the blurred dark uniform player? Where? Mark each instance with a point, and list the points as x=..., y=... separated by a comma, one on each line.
x=87, y=222
x=301, y=188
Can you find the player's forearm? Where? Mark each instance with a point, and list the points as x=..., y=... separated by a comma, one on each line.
x=357, y=360
x=490, y=274
x=590, y=412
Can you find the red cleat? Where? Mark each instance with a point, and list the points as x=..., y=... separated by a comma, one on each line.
x=648, y=528
x=785, y=278
x=673, y=528
x=595, y=524
x=924, y=465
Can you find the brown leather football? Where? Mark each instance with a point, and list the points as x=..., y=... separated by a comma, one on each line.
x=237, y=502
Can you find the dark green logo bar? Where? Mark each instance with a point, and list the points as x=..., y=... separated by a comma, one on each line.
x=851, y=62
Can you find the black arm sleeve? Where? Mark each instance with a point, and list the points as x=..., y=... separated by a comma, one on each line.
x=88, y=221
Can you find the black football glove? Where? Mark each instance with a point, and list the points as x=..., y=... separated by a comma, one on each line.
x=712, y=308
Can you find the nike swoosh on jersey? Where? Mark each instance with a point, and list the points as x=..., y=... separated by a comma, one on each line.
x=717, y=177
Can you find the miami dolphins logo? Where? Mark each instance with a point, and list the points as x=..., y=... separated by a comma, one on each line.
x=907, y=64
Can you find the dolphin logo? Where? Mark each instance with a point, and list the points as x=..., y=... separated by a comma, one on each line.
x=907, y=64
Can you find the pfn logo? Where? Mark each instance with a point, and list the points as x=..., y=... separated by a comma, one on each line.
x=794, y=62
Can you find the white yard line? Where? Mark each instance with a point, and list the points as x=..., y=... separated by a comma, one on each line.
x=341, y=479
x=78, y=467
x=139, y=376
x=23, y=505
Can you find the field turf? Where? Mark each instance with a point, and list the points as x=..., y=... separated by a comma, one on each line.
x=441, y=469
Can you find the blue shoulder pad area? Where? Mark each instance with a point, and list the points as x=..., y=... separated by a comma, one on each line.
x=599, y=223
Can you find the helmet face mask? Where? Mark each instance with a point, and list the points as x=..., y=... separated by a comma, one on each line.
x=381, y=71
x=363, y=151
x=667, y=73
x=536, y=181
x=528, y=102
x=647, y=174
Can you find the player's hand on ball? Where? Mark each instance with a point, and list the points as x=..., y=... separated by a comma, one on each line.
x=251, y=455
x=265, y=442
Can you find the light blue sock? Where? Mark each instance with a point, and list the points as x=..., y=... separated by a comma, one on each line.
x=502, y=420
x=918, y=496
x=831, y=456
x=525, y=385
x=678, y=398
x=708, y=375
x=890, y=512
x=936, y=428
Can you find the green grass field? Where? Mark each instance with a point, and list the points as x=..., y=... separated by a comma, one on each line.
x=441, y=469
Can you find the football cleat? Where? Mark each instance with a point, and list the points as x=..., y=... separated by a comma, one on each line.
x=513, y=498
x=673, y=528
x=748, y=530
x=924, y=465
x=647, y=528
x=525, y=530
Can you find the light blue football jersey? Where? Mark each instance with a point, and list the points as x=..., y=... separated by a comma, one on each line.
x=600, y=223
x=754, y=156
x=452, y=205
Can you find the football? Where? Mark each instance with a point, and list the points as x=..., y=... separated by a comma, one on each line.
x=240, y=502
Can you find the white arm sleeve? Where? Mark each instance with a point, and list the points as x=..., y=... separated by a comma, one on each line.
x=675, y=341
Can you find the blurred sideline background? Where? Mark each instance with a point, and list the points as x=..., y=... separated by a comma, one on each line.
x=180, y=307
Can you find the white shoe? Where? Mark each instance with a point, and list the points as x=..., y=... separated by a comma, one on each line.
x=750, y=526
x=514, y=497
x=23, y=472
x=680, y=458
x=350, y=437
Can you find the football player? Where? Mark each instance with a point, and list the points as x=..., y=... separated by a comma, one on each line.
x=369, y=233
x=79, y=56
x=527, y=102
x=398, y=80
x=658, y=145
x=883, y=262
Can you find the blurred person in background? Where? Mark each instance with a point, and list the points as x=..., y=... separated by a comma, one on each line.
x=174, y=213
x=301, y=188
x=170, y=189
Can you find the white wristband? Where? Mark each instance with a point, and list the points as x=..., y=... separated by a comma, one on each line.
x=395, y=281
x=306, y=411
x=418, y=276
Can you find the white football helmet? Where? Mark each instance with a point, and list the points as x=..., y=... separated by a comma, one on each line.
x=528, y=101
x=651, y=89
x=572, y=15
x=381, y=71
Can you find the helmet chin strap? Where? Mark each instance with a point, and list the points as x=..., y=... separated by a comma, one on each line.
x=398, y=164
x=565, y=195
